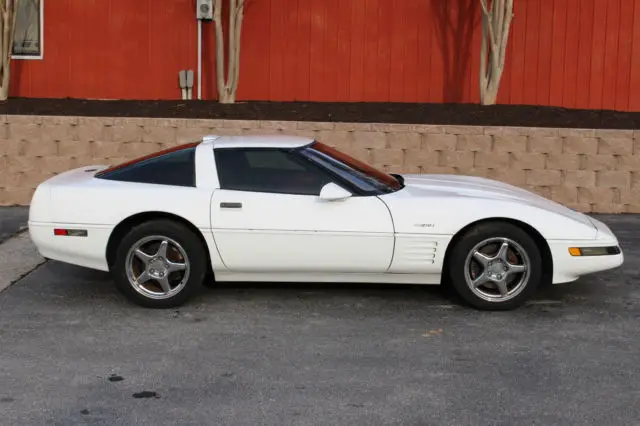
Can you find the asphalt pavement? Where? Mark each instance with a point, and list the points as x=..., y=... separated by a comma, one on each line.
x=73, y=351
x=12, y=220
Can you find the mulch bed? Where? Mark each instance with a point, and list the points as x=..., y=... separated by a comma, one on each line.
x=422, y=113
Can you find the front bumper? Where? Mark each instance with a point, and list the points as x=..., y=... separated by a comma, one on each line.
x=572, y=259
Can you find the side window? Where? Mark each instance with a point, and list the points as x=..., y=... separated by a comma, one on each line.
x=268, y=170
x=271, y=159
x=175, y=167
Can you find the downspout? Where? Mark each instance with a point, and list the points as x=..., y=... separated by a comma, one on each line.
x=199, y=59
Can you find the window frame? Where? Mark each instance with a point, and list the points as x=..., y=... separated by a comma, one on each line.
x=296, y=157
x=41, y=55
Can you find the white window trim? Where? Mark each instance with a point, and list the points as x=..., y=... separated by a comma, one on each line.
x=41, y=56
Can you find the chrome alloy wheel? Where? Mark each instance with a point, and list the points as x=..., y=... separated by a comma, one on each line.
x=157, y=267
x=497, y=269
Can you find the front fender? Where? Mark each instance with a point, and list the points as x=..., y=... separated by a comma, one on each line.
x=448, y=215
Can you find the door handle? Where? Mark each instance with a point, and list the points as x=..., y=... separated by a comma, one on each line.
x=227, y=205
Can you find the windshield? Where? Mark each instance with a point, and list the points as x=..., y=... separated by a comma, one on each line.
x=368, y=179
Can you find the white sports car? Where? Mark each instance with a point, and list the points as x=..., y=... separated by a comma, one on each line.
x=281, y=208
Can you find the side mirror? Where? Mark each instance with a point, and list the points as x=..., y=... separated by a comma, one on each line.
x=333, y=192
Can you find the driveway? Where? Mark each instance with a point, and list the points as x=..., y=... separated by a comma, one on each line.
x=73, y=351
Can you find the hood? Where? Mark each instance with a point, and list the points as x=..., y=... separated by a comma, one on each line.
x=427, y=185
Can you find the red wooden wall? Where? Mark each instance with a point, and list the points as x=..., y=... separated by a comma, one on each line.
x=572, y=53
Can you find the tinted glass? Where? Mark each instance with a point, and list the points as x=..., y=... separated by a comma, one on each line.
x=268, y=170
x=175, y=166
x=361, y=175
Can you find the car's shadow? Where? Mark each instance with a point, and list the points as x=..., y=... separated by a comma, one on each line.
x=82, y=285
x=76, y=280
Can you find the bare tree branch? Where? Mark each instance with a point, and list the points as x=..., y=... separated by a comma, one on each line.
x=498, y=12
x=508, y=17
x=231, y=50
x=485, y=8
x=219, y=35
x=236, y=57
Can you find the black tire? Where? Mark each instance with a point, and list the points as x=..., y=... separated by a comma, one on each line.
x=196, y=259
x=457, y=266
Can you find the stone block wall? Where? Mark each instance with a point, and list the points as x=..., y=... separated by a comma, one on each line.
x=587, y=169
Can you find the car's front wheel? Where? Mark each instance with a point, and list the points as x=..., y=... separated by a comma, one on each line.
x=495, y=266
x=159, y=264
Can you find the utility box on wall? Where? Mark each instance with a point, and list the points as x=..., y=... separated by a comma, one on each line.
x=204, y=9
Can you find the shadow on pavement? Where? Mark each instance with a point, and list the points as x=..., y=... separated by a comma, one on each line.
x=79, y=285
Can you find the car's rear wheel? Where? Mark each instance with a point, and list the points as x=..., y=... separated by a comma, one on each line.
x=159, y=264
x=495, y=266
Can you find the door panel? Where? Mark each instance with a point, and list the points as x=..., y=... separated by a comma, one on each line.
x=257, y=231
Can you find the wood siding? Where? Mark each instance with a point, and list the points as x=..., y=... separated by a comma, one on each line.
x=571, y=53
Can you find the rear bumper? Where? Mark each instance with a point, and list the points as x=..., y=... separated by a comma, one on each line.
x=88, y=251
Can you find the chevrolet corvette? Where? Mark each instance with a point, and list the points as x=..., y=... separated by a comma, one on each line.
x=286, y=208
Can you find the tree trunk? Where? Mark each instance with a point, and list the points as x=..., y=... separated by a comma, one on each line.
x=234, y=49
x=228, y=84
x=496, y=23
x=8, y=10
x=217, y=19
